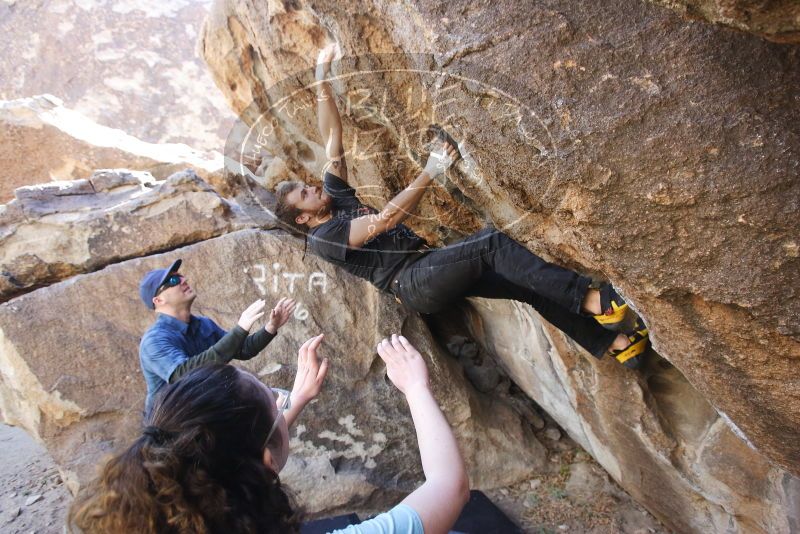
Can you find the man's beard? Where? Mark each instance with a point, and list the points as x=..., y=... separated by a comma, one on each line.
x=324, y=210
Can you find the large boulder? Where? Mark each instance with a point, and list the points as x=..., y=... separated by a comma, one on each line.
x=43, y=140
x=666, y=164
x=69, y=371
x=129, y=65
x=53, y=231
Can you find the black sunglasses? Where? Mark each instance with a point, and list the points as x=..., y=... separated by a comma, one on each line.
x=172, y=281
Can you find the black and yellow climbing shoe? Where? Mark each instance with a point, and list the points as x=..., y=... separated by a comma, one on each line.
x=617, y=315
x=631, y=356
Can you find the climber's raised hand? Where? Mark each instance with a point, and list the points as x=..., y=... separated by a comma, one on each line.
x=326, y=55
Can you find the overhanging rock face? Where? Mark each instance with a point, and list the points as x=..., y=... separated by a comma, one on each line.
x=614, y=137
x=69, y=371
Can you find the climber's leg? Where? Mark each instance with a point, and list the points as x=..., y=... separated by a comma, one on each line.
x=477, y=265
x=582, y=329
x=627, y=348
x=446, y=274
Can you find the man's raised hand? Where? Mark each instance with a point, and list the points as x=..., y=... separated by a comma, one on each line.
x=251, y=314
x=326, y=55
x=280, y=314
x=404, y=364
x=310, y=372
x=441, y=159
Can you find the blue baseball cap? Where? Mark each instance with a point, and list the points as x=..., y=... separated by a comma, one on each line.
x=153, y=280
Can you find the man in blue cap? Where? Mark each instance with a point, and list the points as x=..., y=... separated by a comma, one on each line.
x=179, y=341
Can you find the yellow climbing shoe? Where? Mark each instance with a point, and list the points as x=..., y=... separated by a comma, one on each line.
x=614, y=315
x=631, y=356
x=617, y=315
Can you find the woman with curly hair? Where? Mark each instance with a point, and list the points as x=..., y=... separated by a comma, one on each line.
x=208, y=459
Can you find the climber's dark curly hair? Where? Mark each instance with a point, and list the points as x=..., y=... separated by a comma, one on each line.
x=196, y=468
x=285, y=212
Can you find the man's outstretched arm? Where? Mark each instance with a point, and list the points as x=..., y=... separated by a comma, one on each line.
x=328, y=119
x=227, y=347
x=223, y=351
x=362, y=229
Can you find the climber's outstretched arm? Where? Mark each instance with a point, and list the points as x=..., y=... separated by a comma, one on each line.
x=364, y=228
x=328, y=119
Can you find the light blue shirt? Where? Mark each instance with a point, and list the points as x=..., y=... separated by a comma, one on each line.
x=169, y=343
x=402, y=519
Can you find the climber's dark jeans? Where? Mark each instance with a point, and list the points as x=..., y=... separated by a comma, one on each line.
x=492, y=265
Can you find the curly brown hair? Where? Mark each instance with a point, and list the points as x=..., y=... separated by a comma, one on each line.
x=285, y=212
x=196, y=468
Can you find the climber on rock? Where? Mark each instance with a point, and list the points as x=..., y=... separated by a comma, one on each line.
x=179, y=341
x=376, y=246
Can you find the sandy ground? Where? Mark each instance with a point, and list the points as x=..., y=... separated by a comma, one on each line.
x=33, y=498
x=576, y=496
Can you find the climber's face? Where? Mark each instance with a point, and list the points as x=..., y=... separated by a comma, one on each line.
x=311, y=200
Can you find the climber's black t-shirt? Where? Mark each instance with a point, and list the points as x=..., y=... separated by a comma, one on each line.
x=380, y=258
